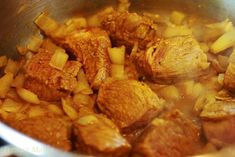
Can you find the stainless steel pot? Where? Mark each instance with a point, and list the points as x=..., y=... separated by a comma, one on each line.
x=16, y=26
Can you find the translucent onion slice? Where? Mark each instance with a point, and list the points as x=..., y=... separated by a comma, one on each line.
x=28, y=96
x=59, y=59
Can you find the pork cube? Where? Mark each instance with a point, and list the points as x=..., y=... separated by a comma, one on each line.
x=129, y=28
x=90, y=46
x=129, y=103
x=54, y=131
x=42, y=78
x=218, y=121
x=97, y=135
x=175, y=135
x=171, y=60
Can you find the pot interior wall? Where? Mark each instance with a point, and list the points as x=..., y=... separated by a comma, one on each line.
x=16, y=24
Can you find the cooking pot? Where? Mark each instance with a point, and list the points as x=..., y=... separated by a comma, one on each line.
x=16, y=27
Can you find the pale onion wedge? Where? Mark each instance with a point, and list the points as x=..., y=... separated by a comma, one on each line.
x=198, y=89
x=117, y=71
x=225, y=25
x=28, y=96
x=59, y=59
x=170, y=93
x=117, y=55
x=10, y=105
x=5, y=84
x=68, y=109
x=34, y=43
x=55, y=109
x=176, y=31
x=224, y=42
x=188, y=87
x=83, y=85
x=87, y=120
x=3, y=61
x=36, y=111
x=76, y=23
x=177, y=17
x=12, y=67
x=46, y=24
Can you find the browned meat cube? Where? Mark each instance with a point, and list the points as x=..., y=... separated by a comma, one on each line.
x=220, y=132
x=90, y=46
x=129, y=103
x=54, y=131
x=43, y=91
x=97, y=135
x=219, y=122
x=172, y=59
x=175, y=135
x=129, y=28
x=47, y=82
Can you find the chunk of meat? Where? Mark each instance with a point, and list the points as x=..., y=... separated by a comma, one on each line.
x=175, y=135
x=43, y=91
x=129, y=103
x=129, y=28
x=54, y=131
x=47, y=82
x=218, y=121
x=220, y=132
x=97, y=135
x=173, y=59
x=90, y=46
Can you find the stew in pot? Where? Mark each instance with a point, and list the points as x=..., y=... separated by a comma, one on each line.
x=124, y=84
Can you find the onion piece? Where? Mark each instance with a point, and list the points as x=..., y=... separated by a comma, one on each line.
x=225, y=41
x=5, y=84
x=28, y=96
x=117, y=55
x=59, y=59
x=68, y=109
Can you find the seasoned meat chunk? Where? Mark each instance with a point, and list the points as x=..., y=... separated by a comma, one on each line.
x=220, y=132
x=129, y=28
x=171, y=60
x=219, y=122
x=175, y=135
x=43, y=91
x=95, y=134
x=129, y=103
x=90, y=46
x=54, y=131
x=47, y=82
